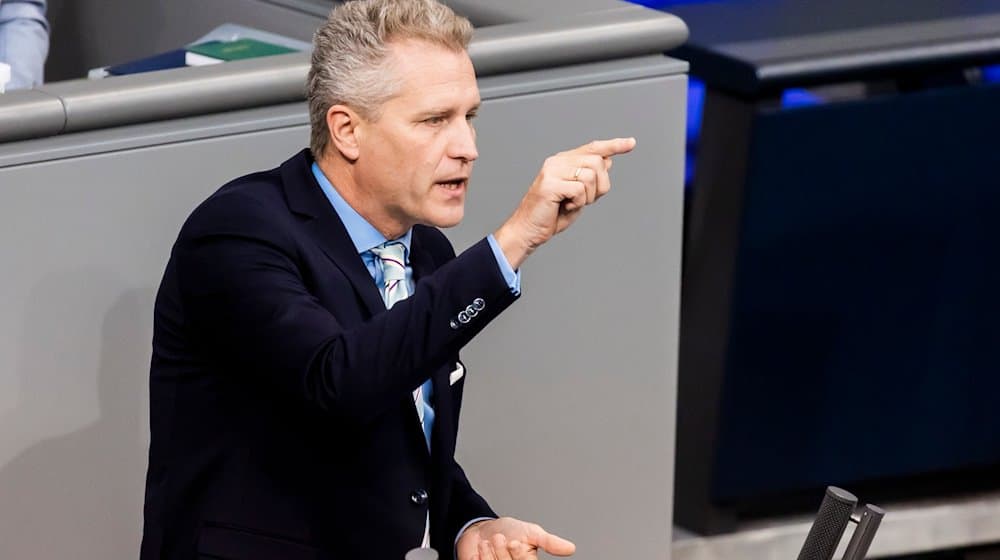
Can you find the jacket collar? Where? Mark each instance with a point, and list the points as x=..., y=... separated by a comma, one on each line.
x=306, y=199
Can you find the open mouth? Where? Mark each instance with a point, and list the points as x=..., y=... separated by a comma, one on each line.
x=453, y=185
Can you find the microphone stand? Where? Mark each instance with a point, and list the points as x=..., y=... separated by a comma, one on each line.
x=422, y=554
x=868, y=522
x=835, y=512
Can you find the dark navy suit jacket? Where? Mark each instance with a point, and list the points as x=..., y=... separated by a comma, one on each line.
x=282, y=415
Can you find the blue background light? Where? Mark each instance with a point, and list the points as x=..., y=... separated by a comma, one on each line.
x=790, y=98
x=991, y=74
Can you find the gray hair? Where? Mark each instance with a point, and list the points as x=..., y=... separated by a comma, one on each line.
x=350, y=63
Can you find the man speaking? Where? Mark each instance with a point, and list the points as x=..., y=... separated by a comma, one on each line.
x=305, y=384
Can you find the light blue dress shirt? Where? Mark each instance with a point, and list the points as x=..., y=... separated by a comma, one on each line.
x=24, y=41
x=365, y=236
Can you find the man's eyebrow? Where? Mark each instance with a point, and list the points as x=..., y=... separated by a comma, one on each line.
x=435, y=111
x=446, y=110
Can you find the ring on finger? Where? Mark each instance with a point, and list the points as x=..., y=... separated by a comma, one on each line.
x=576, y=174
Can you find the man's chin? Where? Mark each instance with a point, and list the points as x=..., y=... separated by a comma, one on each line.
x=446, y=220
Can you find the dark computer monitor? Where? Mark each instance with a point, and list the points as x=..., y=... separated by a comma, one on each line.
x=841, y=309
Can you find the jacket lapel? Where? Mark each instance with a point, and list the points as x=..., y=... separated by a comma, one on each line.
x=306, y=198
x=423, y=264
x=421, y=261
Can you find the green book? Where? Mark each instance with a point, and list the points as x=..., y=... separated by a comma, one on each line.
x=221, y=51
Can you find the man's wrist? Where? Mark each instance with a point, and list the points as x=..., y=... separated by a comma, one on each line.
x=514, y=247
x=510, y=276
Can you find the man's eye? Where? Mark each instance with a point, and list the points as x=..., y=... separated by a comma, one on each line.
x=471, y=116
x=434, y=120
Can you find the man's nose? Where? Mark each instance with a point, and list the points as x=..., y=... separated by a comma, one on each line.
x=463, y=142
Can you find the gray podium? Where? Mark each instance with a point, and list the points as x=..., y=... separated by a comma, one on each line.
x=569, y=410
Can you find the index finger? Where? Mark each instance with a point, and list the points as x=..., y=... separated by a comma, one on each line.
x=608, y=148
x=553, y=544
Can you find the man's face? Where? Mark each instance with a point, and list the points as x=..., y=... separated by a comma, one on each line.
x=415, y=161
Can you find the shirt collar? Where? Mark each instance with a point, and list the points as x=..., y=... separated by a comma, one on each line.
x=362, y=233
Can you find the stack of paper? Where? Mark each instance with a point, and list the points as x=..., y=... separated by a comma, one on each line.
x=214, y=52
x=225, y=43
x=4, y=76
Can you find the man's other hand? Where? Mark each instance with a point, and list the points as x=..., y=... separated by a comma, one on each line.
x=567, y=182
x=509, y=539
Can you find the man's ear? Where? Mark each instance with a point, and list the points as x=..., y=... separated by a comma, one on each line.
x=342, y=122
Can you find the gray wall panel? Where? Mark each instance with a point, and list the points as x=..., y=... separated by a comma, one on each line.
x=569, y=411
x=83, y=242
x=569, y=417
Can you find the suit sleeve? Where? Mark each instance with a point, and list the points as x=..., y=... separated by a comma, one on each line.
x=247, y=302
x=466, y=504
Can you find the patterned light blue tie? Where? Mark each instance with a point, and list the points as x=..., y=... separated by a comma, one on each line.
x=392, y=257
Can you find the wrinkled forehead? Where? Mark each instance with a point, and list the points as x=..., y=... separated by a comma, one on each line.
x=426, y=73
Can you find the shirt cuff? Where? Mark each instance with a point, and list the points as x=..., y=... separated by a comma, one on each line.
x=466, y=526
x=511, y=276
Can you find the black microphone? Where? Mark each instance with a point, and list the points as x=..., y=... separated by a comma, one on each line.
x=871, y=517
x=831, y=520
x=422, y=554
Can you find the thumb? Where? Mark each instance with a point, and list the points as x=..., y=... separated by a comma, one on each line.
x=553, y=544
